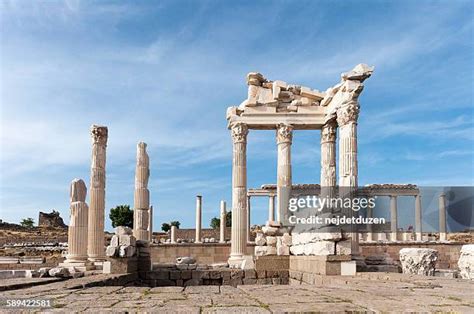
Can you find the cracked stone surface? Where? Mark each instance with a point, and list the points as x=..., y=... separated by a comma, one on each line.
x=376, y=292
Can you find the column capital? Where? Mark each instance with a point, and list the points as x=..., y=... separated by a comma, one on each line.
x=239, y=132
x=348, y=113
x=328, y=132
x=284, y=133
x=99, y=134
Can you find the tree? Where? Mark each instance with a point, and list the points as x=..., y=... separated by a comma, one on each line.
x=165, y=227
x=121, y=215
x=27, y=222
x=216, y=222
x=175, y=223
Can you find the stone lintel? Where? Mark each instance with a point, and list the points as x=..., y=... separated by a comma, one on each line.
x=270, y=121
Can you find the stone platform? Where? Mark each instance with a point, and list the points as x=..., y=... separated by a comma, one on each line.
x=368, y=292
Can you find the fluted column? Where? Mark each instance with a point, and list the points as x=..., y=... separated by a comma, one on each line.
x=142, y=194
x=198, y=219
x=284, y=136
x=173, y=234
x=418, y=218
x=150, y=224
x=442, y=217
x=77, y=230
x=271, y=208
x=239, y=194
x=328, y=159
x=393, y=218
x=347, y=116
x=248, y=219
x=96, y=241
x=222, y=226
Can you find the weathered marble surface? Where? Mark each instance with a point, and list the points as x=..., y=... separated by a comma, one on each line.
x=466, y=262
x=418, y=261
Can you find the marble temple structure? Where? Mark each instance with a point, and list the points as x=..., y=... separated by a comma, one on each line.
x=142, y=195
x=96, y=235
x=285, y=108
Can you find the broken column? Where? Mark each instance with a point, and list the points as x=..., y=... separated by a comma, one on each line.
x=284, y=136
x=222, y=222
x=198, y=218
x=442, y=217
x=393, y=218
x=77, y=231
x=96, y=241
x=142, y=194
x=418, y=218
x=173, y=233
x=150, y=224
x=239, y=194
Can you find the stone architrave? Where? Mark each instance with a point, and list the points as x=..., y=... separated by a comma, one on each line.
x=222, y=226
x=96, y=219
x=142, y=194
x=77, y=231
x=284, y=136
x=239, y=195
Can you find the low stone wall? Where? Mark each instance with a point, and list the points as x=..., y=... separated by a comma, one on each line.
x=204, y=253
x=224, y=276
x=448, y=253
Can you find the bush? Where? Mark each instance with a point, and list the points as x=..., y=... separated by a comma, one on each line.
x=121, y=215
x=27, y=222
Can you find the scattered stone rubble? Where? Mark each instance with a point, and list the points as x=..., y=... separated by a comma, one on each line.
x=418, y=261
x=122, y=244
x=272, y=241
x=466, y=262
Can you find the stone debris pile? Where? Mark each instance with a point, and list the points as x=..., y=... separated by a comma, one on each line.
x=186, y=263
x=123, y=243
x=418, y=261
x=272, y=241
x=466, y=262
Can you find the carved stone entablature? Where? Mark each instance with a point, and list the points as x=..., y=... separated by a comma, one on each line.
x=390, y=190
x=348, y=113
x=328, y=132
x=284, y=133
x=391, y=186
x=99, y=134
x=239, y=132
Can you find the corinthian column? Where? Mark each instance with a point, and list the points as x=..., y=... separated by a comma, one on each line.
x=77, y=231
x=239, y=194
x=328, y=159
x=142, y=194
x=95, y=243
x=284, y=137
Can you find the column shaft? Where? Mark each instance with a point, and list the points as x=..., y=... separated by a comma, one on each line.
x=370, y=234
x=141, y=219
x=393, y=218
x=77, y=230
x=271, y=208
x=222, y=227
x=239, y=194
x=198, y=218
x=284, y=140
x=328, y=159
x=418, y=218
x=150, y=224
x=173, y=234
x=442, y=217
x=96, y=241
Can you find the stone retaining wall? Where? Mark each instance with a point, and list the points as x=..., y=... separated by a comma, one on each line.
x=224, y=276
x=448, y=253
x=204, y=253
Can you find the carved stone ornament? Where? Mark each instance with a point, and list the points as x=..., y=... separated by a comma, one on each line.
x=328, y=132
x=239, y=132
x=99, y=134
x=284, y=133
x=348, y=113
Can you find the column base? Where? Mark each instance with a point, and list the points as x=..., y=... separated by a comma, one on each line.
x=235, y=261
x=80, y=266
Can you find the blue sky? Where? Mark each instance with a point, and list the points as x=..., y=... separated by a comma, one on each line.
x=164, y=72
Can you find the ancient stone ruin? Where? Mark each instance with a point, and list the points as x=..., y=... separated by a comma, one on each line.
x=52, y=219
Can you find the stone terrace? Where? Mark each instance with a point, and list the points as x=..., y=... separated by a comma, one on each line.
x=365, y=292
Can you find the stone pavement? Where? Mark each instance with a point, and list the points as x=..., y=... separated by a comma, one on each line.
x=364, y=292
